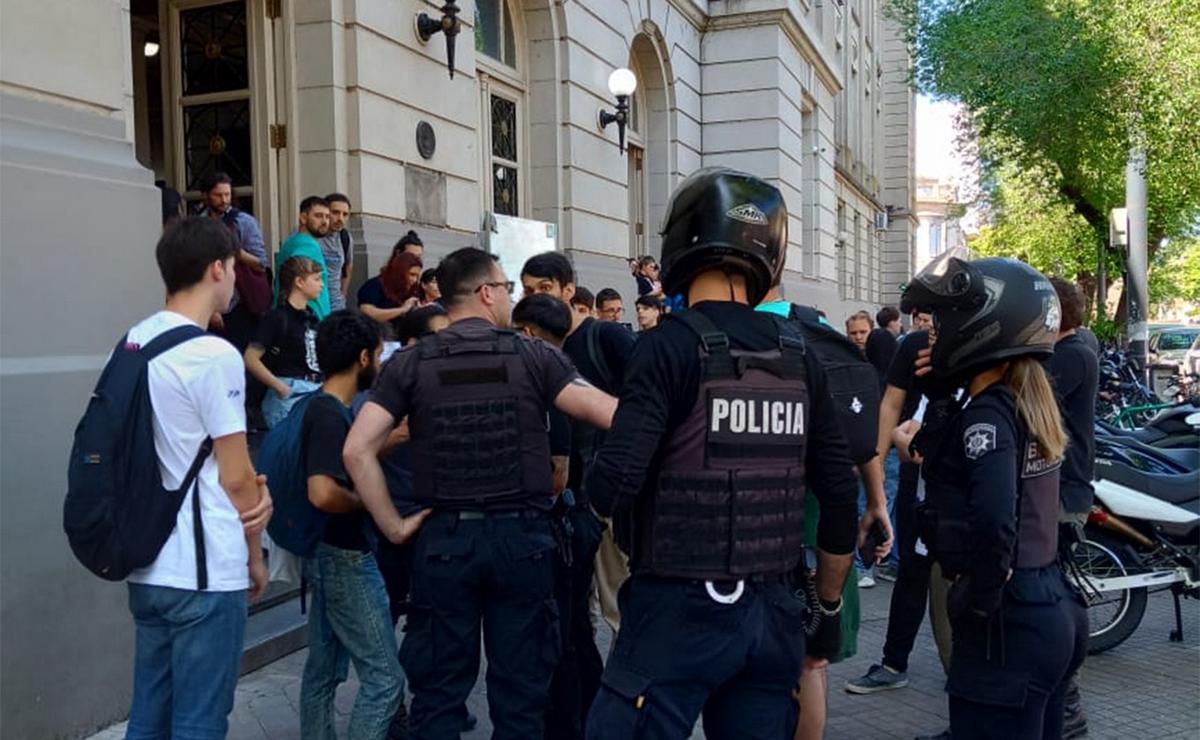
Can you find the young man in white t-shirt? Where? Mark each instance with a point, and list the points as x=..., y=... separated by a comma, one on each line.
x=189, y=641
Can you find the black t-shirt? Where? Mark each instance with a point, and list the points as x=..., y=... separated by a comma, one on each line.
x=644, y=285
x=324, y=432
x=1075, y=371
x=901, y=372
x=560, y=433
x=288, y=338
x=881, y=348
x=614, y=343
x=659, y=392
x=549, y=369
x=371, y=293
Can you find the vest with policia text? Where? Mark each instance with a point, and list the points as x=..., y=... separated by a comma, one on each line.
x=729, y=501
x=479, y=433
x=943, y=519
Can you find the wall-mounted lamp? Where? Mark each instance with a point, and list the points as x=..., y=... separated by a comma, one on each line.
x=448, y=24
x=151, y=48
x=621, y=83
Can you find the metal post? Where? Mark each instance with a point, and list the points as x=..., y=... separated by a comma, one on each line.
x=1136, y=289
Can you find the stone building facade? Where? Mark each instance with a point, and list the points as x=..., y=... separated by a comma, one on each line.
x=293, y=97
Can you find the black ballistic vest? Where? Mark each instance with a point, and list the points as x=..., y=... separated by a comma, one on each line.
x=944, y=517
x=729, y=500
x=479, y=432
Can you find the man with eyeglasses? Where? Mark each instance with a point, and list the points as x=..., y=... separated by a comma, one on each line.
x=476, y=397
x=609, y=306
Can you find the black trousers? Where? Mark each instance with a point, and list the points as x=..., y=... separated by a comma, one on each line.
x=395, y=565
x=681, y=654
x=1009, y=673
x=577, y=677
x=493, y=573
x=906, y=609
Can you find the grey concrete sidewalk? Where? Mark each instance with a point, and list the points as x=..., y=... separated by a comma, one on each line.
x=1148, y=688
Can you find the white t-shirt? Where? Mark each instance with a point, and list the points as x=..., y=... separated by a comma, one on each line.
x=197, y=390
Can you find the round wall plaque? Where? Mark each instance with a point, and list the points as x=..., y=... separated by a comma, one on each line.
x=426, y=140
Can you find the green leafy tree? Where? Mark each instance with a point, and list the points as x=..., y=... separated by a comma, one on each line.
x=1065, y=88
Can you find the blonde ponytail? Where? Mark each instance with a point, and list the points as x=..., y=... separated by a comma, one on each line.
x=1037, y=406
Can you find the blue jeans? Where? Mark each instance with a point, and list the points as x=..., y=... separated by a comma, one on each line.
x=348, y=619
x=891, y=484
x=276, y=409
x=189, y=647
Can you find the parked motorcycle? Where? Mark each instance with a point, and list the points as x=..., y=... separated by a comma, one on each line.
x=1176, y=426
x=1143, y=534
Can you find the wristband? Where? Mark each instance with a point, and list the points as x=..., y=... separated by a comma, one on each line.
x=829, y=611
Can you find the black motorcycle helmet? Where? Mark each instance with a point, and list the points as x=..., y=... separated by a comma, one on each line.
x=984, y=312
x=724, y=219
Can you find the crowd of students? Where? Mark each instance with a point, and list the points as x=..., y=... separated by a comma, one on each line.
x=315, y=359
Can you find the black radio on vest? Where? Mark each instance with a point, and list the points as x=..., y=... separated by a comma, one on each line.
x=730, y=496
x=480, y=438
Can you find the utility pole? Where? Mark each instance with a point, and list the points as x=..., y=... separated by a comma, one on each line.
x=1136, y=289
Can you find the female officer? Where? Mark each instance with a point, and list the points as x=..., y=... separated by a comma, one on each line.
x=991, y=507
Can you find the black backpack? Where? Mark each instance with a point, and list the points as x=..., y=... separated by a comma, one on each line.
x=853, y=382
x=117, y=515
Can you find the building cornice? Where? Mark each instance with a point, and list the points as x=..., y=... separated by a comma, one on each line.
x=795, y=33
x=693, y=15
x=854, y=184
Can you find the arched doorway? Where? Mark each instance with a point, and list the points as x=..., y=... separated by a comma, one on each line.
x=651, y=155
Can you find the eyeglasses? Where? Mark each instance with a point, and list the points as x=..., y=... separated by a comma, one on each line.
x=508, y=285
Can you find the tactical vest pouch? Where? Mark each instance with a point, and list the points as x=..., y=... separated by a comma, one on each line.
x=476, y=450
x=478, y=425
x=768, y=522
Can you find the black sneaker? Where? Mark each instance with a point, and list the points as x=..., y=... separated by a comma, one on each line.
x=878, y=678
x=943, y=735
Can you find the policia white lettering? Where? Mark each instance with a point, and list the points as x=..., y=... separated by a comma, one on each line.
x=741, y=416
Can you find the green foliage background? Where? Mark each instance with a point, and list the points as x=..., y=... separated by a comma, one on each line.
x=1057, y=92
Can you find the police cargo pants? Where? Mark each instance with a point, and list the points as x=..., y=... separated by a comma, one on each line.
x=681, y=654
x=1009, y=673
x=486, y=571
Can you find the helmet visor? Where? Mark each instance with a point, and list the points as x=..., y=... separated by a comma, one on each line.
x=947, y=281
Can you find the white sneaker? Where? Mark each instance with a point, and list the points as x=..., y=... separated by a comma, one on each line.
x=866, y=581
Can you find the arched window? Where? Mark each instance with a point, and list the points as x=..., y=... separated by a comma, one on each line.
x=494, y=31
x=502, y=106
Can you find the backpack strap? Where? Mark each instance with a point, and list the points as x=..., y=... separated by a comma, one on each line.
x=192, y=480
x=596, y=355
x=718, y=361
x=170, y=339
x=791, y=349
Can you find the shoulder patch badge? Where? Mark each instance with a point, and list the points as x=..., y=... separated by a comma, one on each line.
x=978, y=440
x=748, y=213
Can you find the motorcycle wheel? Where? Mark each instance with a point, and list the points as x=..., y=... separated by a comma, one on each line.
x=1114, y=615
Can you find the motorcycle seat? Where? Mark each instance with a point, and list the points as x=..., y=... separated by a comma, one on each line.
x=1169, y=488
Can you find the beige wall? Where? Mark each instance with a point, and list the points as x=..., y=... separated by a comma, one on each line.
x=364, y=81
x=78, y=222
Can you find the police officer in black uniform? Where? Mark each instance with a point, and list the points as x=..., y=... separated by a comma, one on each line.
x=723, y=419
x=476, y=397
x=990, y=516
